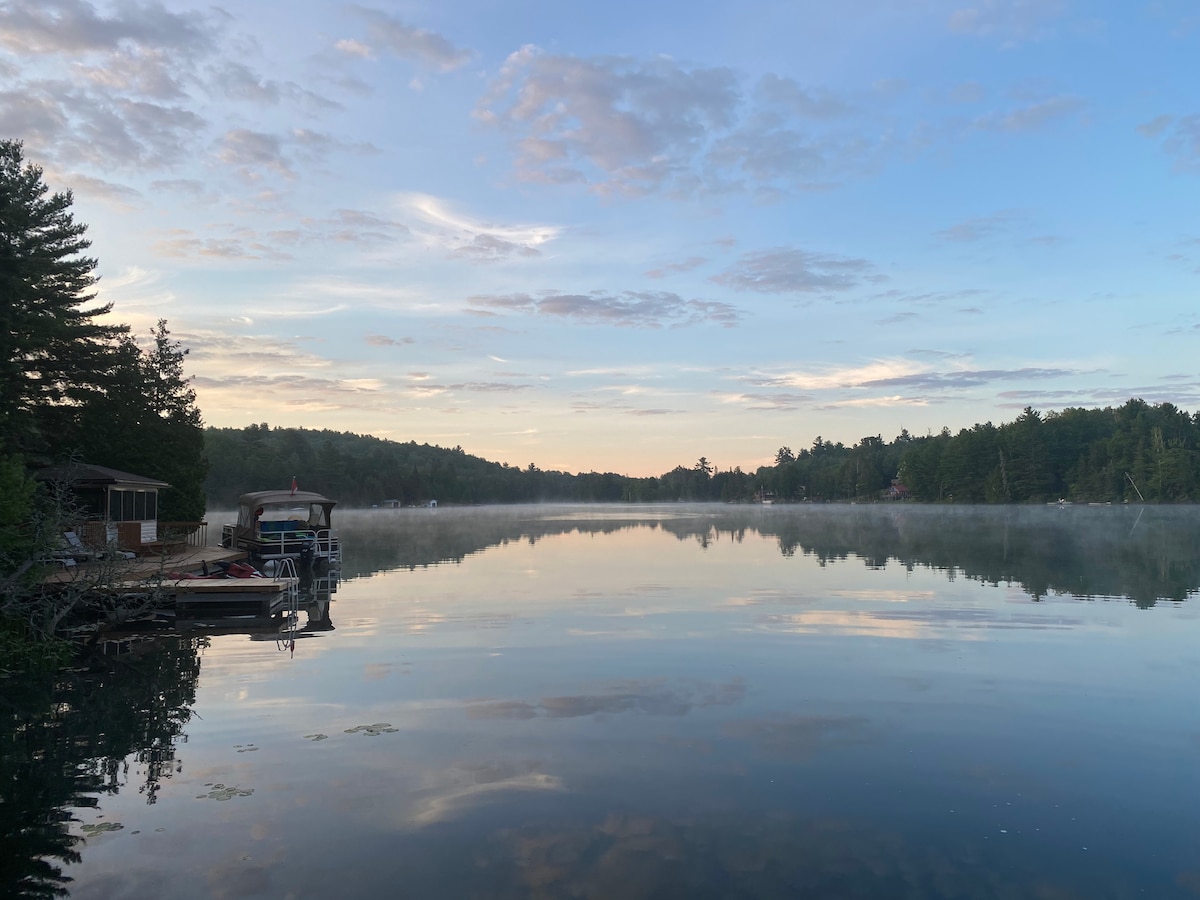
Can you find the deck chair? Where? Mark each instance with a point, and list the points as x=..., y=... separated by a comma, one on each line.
x=74, y=546
x=77, y=549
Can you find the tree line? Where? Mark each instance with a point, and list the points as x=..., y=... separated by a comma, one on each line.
x=1135, y=452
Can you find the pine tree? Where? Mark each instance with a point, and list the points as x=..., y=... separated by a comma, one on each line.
x=53, y=348
x=146, y=421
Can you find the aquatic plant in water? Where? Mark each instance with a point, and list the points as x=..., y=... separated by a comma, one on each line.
x=221, y=792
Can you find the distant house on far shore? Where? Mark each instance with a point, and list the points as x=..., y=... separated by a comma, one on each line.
x=390, y=504
x=114, y=507
x=897, y=491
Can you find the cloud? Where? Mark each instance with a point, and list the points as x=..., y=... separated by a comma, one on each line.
x=1156, y=126
x=437, y=223
x=123, y=89
x=186, y=245
x=898, y=318
x=1033, y=116
x=1182, y=394
x=407, y=42
x=687, y=265
x=137, y=70
x=119, y=196
x=379, y=340
x=1009, y=19
x=876, y=383
x=489, y=248
x=75, y=26
x=636, y=309
x=237, y=81
x=1181, y=140
x=930, y=299
x=786, y=270
x=489, y=387
x=774, y=156
x=628, y=125
x=803, y=102
x=967, y=92
x=352, y=47
x=965, y=378
x=976, y=229
x=780, y=401
x=1048, y=240
x=251, y=153
x=68, y=125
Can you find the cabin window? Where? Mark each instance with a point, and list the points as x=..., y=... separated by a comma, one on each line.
x=132, y=506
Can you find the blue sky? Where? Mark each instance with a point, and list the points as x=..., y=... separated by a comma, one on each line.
x=618, y=237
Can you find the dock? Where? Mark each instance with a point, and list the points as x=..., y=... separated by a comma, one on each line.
x=258, y=596
x=186, y=559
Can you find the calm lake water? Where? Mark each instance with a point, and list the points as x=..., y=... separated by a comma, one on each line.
x=647, y=702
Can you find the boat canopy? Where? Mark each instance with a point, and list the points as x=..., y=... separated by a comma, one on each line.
x=303, y=507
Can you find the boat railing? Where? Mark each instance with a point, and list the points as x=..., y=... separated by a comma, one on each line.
x=328, y=545
x=324, y=542
x=276, y=541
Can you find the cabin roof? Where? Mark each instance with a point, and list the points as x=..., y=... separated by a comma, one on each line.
x=78, y=474
x=258, y=498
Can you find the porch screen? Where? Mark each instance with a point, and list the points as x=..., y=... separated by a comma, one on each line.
x=132, y=506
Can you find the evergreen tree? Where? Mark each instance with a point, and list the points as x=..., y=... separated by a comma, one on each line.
x=53, y=348
x=146, y=421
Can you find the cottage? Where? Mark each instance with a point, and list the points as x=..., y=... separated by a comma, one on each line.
x=115, y=507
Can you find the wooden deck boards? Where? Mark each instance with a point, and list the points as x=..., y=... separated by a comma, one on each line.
x=189, y=559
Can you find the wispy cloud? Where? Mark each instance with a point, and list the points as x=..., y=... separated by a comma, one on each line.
x=1009, y=20
x=634, y=123
x=384, y=31
x=75, y=26
x=879, y=383
x=785, y=270
x=1032, y=116
x=980, y=227
x=380, y=340
x=677, y=268
x=1180, y=139
x=436, y=222
x=636, y=309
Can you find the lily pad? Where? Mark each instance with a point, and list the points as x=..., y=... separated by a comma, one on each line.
x=220, y=792
x=101, y=827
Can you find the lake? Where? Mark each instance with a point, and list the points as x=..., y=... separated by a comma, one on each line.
x=646, y=702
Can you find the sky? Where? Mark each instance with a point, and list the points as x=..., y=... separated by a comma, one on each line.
x=621, y=236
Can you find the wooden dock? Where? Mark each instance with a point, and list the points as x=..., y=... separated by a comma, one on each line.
x=187, y=559
x=260, y=596
x=201, y=587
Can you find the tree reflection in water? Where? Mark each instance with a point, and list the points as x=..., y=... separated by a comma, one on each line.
x=1144, y=553
x=66, y=741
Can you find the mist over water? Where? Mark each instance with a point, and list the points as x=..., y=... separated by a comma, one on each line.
x=661, y=701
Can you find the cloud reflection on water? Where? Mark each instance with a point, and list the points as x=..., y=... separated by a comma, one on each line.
x=652, y=697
